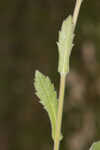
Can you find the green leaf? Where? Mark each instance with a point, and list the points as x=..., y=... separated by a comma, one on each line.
x=48, y=97
x=65, y=44
x=95, y=146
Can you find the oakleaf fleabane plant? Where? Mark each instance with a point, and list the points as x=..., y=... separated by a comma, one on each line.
x=65, y=44
x=45, y=89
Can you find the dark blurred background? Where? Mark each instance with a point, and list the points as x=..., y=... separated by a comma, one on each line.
x=28, y=35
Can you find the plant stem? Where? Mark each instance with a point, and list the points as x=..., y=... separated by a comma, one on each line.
x=60, y=111
x=76, y=12
x=62, y=87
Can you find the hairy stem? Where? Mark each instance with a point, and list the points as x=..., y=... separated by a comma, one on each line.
x=76, y=11
x=60, y=111
x=62, y=87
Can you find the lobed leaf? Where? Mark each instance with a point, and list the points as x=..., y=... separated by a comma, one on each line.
x=48, y=97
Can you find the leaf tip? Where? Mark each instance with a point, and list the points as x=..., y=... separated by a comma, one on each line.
x=36, y=73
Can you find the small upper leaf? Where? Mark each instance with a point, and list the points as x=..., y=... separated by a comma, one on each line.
x=65, y=45
x=95, y=146
x=48, y=97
